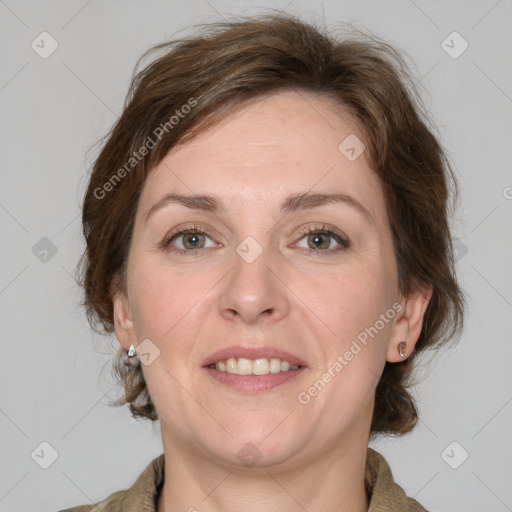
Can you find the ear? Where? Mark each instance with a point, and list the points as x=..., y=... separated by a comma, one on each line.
x=123, y=321
x=407, y=327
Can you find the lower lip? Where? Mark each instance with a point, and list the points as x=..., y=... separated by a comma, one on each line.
x=254, y=383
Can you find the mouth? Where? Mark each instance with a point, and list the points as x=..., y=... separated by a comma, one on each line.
x=252, y=369
x=258, y=366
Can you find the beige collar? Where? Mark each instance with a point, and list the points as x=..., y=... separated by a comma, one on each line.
x=385, y=494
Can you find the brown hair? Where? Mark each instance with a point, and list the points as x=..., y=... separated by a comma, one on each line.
x=233, y=62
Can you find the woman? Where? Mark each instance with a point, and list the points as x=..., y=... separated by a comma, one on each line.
x=267, y=233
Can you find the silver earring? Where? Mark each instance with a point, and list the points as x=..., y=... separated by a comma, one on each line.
x=131, y=358
x=401, y=348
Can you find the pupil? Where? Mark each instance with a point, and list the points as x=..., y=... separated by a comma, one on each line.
x=318, y=239
x=191, y=239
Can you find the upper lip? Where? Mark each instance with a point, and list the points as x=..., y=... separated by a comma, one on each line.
x=252, y=353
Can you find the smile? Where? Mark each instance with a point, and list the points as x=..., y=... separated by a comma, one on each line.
x=258, y=366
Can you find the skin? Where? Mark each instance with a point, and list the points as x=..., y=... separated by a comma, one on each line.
x=312, y=305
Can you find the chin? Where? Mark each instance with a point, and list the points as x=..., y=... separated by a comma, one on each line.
x=255, y=445
x=252, y=455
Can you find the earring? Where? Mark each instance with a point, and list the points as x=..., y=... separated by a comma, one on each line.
x=401, y=348
x=131, y=358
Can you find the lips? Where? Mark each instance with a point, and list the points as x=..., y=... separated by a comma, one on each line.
x=239, y=379
x=237, y=351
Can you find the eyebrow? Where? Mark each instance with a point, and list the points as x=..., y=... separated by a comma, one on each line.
x=293, y=203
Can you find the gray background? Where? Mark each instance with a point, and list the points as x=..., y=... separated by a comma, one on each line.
x=56, y=379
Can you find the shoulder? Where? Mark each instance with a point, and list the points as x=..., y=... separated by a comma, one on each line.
x=111, y=504
x=141, y=496
x=384, y=493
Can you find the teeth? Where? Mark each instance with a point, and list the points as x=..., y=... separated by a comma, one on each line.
x=259, y=366
x=244, y=366
x=275, y=365
x=231, y=366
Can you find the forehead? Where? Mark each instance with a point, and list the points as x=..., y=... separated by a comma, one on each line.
x=283, y=143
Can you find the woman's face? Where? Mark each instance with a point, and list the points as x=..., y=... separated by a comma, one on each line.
x=248, y=274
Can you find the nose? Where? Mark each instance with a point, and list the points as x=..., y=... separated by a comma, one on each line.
x=254, y=291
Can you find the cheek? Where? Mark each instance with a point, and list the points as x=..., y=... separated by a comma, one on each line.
x=163, y=300
x=152, y=300
x=359, y=310
x=354, y=298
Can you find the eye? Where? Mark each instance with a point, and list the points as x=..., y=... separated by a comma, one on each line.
x=323, y=240
x=186, y=240
x=190, y=240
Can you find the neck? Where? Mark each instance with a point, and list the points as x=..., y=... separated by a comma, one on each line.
x=331, y=481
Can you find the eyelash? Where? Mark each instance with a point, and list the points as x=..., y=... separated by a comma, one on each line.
x=324, y=230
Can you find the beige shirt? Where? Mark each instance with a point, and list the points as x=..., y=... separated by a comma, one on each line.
x=385, y=494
